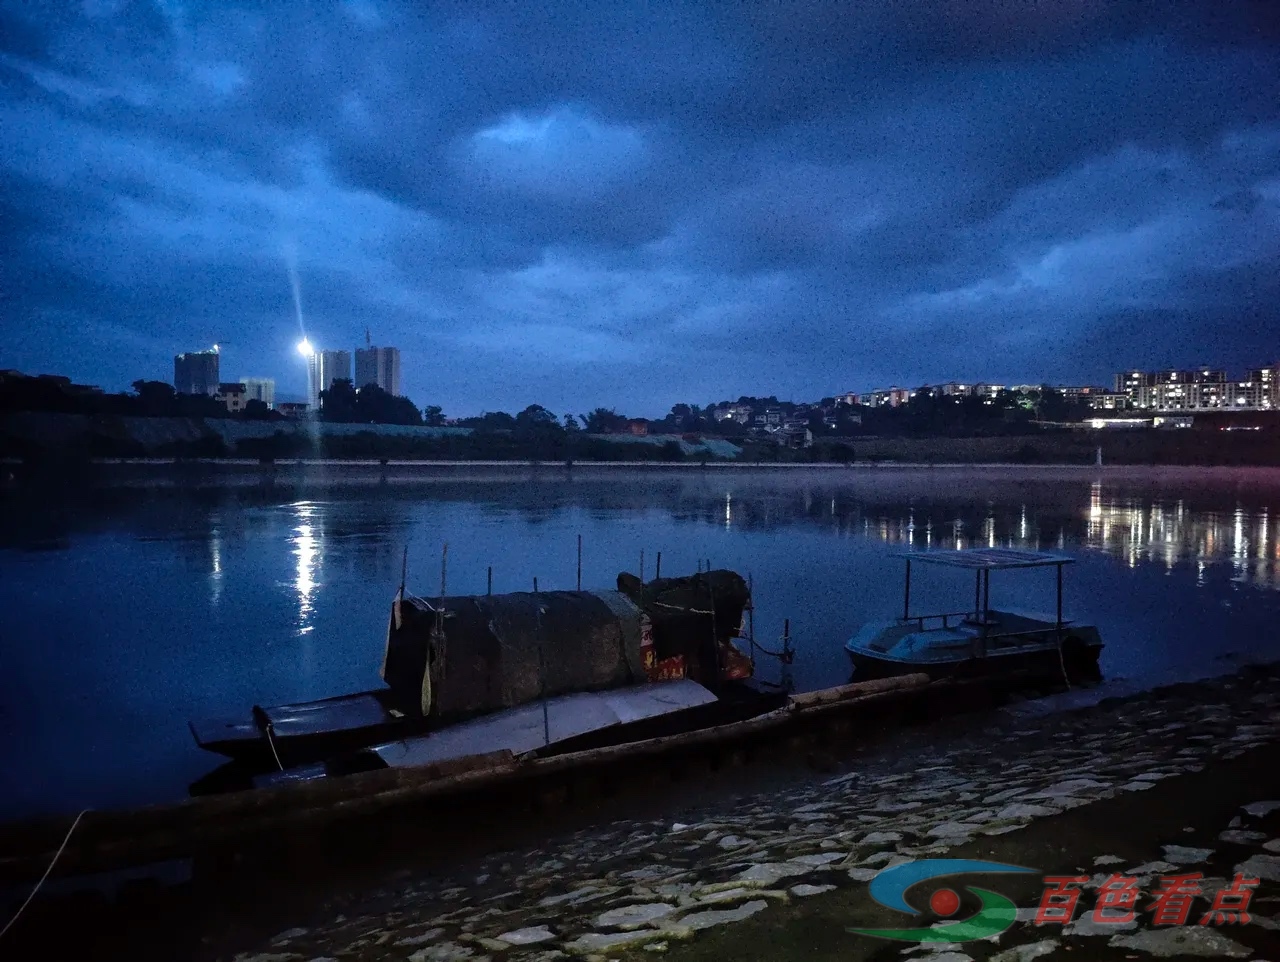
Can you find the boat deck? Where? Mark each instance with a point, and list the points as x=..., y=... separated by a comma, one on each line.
x=522, y=729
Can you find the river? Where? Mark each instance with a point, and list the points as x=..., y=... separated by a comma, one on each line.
x=129, y=609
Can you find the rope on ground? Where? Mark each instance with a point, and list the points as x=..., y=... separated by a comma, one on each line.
x=56, y=856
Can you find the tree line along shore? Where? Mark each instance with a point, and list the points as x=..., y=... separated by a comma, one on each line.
x=44, y=438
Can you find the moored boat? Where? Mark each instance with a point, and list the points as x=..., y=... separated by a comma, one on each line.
x=574, y=722
x=981, y=640
x=451, y=660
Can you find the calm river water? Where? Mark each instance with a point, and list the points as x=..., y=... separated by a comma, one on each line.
x=128, y=610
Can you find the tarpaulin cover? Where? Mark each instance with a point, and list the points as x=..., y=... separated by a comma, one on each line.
x=692, y=616
x=499, y=651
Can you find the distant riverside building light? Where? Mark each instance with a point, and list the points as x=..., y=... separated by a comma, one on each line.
x=1103, y=423
x=196, y=372
x=1200, y=389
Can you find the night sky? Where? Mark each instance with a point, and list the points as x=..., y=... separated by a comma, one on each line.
x=627, y=204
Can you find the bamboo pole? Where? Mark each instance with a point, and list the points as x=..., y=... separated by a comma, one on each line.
x=843, y=693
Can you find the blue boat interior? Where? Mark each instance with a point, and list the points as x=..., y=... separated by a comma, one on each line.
x=978, y=632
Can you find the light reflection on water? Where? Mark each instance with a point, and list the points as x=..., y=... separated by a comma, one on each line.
x=216, y=600
x=306, y=549
x=1132, y=530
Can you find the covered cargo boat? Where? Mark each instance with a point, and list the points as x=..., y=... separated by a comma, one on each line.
x=456, y=658
x=466, y=656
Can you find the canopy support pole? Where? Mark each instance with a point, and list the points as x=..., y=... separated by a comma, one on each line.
x=542, y=667
x=1059, y=623
x=906, y=595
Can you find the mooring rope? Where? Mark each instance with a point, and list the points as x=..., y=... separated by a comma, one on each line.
x=1062, y=663
x=771, y=654
x=56, y=856
x=696, y=611
x=272, y=742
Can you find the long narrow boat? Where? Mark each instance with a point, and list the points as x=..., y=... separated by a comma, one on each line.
x=567, y=723
x=449, y=661
x=982, y=640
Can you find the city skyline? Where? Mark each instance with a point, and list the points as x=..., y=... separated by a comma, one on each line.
x=1141, y=390
x=581, y=209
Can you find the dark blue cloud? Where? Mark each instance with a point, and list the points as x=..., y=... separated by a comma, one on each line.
x=582, y=204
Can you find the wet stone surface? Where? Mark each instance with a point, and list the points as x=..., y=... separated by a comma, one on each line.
x=629, y=886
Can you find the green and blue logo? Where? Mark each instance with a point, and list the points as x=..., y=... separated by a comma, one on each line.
x=996, y=914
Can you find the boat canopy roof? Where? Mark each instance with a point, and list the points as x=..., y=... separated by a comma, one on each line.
x=989, y=559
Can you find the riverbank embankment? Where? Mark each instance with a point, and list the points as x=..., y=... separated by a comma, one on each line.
x=776, y=863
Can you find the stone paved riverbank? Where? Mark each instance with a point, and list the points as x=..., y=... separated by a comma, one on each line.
x=661, y=886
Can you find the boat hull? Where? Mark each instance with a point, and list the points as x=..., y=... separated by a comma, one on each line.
x=1078, y=661
x=353, y=752
x=735, y=703
x=309, y=731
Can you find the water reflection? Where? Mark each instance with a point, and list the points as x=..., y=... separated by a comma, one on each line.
x=1134, y=529
x=306, y=553
x=1139, y=522
x=215, y=563
x=1137, y=531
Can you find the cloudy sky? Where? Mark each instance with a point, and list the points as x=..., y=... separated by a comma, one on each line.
x=631, y=204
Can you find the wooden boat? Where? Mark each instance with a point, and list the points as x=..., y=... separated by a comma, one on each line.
x=567, y=723
x=454, y=659
x=229, y=826
x=981, y=640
